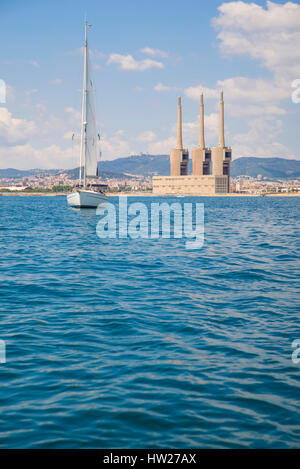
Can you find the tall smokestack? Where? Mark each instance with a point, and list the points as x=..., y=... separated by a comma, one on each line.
x=221, y=135
x=201, y=136
x=179, y=126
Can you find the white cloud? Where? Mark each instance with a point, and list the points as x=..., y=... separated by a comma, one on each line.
x=14, y=130
x=245, y=96
x=162, y=147
x=147, y=136
x=30, y=92
x=242, y=89
x=194, y=92
x=260, y=140
x=52, y=127
x=162, y=87
x=27, y=157
x=114, y=146
x=41, y=108
x=10, y=94
x=17, y=150
x=190, y=132
x=97, y=54
x=239, y=110
x=56, y=81
x=271, y=149
x=74, y=116
x=69, y=135
x=78, y=51
x=269, y=35
x=7, y=93
x=154, y=52
x=253, y=90
x=127, y=62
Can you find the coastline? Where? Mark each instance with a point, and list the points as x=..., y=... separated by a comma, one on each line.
x=149, y=194
x=35, y=194
x=141, y=194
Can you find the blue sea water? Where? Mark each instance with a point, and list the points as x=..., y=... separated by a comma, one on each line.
x=143, y=344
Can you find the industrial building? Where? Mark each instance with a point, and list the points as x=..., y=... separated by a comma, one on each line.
x=211, y=167
x=179, y=157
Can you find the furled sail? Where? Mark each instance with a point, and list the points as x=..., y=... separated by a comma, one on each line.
x=91, y=152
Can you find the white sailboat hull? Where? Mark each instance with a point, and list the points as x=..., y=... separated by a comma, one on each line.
x=85, y=199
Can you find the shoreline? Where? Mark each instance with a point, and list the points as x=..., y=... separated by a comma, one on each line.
x=28, y=194
x=143, y=194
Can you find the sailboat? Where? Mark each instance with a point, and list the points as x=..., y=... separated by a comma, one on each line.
x=83, y=197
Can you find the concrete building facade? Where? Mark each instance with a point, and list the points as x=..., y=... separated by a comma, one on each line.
x=211, y=168
x=189, y=185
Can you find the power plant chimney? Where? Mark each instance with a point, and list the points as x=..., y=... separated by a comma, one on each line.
x=221, y=155
x=179, y=125
x=201, y=136
x=179, y=157
x=201, y=154
x=221, y=134
x=211, y=167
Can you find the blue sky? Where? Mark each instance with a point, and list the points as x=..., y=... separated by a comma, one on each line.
x=144, y=55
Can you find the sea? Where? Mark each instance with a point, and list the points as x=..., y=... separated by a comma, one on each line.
x=143, y=343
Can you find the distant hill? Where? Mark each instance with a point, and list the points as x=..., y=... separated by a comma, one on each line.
x=150, y=165
x=73, y=173
x=267, y=167
x=11, y=173
x=20, y=173
x=144, y=165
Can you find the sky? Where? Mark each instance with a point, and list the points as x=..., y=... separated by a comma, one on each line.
x=144, y=55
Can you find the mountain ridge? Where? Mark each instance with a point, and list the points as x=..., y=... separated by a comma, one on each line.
x=151, y=165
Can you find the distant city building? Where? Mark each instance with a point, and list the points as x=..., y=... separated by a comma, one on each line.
x=211, y=168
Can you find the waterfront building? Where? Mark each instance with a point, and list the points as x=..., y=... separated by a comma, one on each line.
x=211, y=169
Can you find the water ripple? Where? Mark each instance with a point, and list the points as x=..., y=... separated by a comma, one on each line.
x=141, y=343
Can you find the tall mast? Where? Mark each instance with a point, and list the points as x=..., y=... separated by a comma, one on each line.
x=82, y=149
x=84, y=123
